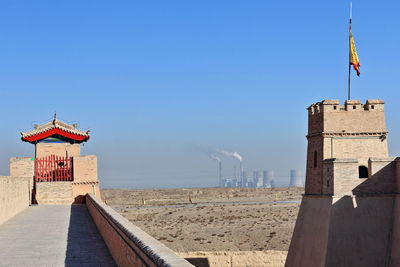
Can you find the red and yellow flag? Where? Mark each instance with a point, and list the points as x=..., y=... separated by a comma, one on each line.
x=353, y=55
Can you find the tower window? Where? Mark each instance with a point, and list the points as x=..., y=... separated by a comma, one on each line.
x=354, y=107
x=362, y=172
x=315, y=159
x=372, y=107
x=334, y=107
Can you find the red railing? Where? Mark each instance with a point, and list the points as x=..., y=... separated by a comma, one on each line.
x=53, y=168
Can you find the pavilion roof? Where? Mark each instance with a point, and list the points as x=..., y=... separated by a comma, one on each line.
x=55, y=128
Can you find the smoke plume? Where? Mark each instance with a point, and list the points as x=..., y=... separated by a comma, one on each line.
x=230, y=154
x=215, y=157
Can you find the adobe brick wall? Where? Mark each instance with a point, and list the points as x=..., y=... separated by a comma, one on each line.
x=80, y=189
x=54, y=193
x=311, y=232
x=395, y=251
x=22, y=166
x=128, y=244
x=58, y=149
x=14, y=196
x=343, y=176
x=85, y=181
x=85, y=168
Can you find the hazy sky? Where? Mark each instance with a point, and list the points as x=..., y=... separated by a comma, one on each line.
x=159, y=83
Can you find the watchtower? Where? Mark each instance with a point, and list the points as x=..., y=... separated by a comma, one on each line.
x=351, y=131
x=61, y=175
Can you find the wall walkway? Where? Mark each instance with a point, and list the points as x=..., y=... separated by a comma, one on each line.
x=52, y=236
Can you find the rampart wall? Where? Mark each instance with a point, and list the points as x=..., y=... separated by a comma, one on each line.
x=15, y=194
x=128, y=244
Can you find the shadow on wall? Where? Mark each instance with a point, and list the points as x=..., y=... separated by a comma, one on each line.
x=381, y=182
x=361, y=227
x=85, y=245
x=199, y=262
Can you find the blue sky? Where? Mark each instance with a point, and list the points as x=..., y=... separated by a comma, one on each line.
x=159, y=83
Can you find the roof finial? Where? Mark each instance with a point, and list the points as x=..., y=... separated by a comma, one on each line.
x=55, y=115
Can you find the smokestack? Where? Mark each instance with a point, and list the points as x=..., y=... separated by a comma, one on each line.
x=219, y=169
x=296, y=179
x=241, y=178
x=220, y=174
x=237, y=156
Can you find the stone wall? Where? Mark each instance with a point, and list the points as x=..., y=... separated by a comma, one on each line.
x=15, y=196
x=128, y=244
x=268, y=258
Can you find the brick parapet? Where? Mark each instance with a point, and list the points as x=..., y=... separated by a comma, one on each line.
x=128, y=244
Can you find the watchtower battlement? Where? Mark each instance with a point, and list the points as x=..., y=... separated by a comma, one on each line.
x=330, y=117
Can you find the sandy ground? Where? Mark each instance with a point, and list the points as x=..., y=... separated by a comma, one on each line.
x=218, y=219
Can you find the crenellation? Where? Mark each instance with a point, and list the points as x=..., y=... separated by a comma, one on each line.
x=327, y=106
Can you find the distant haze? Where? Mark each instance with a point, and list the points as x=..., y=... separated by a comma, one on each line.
x=160, y=83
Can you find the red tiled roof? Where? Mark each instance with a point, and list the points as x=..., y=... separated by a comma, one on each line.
x=55, y=127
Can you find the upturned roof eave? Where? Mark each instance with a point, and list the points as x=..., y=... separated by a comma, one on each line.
x=55, y=131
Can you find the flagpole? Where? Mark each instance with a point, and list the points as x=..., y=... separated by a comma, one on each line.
x=348, y=81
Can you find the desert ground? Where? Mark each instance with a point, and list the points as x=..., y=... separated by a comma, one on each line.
x=212, y=219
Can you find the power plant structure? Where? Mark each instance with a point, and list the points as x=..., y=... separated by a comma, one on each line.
x=268, y=176
x=296, y=178
x=259, y=179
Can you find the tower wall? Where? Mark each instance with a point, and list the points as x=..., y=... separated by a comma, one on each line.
x=58, y=149
x=350, y=131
